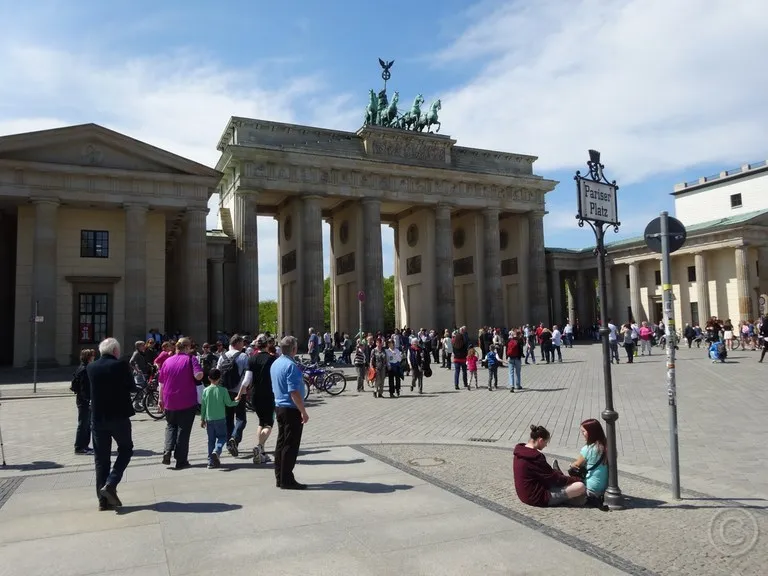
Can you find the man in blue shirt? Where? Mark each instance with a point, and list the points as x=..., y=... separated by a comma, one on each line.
x=288, y=387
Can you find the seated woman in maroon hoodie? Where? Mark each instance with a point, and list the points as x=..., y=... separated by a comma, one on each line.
x=536, y=482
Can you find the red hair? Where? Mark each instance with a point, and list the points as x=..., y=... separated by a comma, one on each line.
x=595, y=435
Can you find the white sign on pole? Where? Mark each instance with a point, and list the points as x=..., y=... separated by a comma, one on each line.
x=597, y=201
x=39, y=319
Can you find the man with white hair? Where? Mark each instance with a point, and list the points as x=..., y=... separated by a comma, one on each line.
x=111, y=410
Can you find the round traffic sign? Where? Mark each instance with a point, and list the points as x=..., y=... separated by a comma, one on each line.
x=361, y=296
x=675, y=230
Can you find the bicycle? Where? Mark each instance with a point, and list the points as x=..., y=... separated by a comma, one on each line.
x=147, y=399
x=334, y=383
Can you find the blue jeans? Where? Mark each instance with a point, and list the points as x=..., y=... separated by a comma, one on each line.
x=530, y=351
x=515, y=380
x=104, y=431
x=217, y=435
x=460, y=367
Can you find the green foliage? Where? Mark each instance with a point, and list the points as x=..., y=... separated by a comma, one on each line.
x=268, y=316
x=389, y=303
x=327, y=303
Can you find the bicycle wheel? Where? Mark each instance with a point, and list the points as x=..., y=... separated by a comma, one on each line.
x=150, y=402
x=307, y=385
x=334, y=383
x=736, y=343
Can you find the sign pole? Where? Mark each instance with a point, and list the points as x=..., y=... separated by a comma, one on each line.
x=669, y=328
x=34, y=349
x=360, y=300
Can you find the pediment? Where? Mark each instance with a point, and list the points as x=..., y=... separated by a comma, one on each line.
x=93, y=146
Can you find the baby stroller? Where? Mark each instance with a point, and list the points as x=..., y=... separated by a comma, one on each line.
x=329, y=358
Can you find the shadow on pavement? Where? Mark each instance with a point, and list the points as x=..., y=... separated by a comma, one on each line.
x=183, y=507
x=142, y=452
x=365, y=487
x=323, y=462
x=306, y=452
x=542, y=389
x=37, y=465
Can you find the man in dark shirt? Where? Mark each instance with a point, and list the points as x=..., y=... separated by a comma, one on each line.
x=258, y=383
x=111, y=410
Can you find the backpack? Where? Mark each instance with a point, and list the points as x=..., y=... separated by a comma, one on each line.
x=230, y=372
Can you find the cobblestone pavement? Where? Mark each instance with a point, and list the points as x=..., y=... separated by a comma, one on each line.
x=722, y=413
x=698, y=535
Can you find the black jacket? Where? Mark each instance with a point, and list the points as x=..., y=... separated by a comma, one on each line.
x=82, y=385
x=111, y=387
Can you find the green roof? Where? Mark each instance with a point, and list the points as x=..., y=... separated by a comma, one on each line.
x=701, y=227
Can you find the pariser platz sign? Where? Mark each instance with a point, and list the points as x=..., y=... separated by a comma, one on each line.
x=597, y=201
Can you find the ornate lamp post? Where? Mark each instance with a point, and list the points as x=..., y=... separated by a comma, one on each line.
x=597, y=207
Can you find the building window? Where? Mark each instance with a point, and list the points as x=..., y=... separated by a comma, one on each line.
x=735, y=200
x=94, y=316
x=694, y=313
x=691, y=273
x=657, y=276
x=94, y=244
x=627, y=281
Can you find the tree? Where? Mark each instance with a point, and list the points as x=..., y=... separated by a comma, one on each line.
x=327, y=303
x=268, y=316
x=389, y=303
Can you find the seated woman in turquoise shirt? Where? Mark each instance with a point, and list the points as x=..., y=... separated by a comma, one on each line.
x=594, y=458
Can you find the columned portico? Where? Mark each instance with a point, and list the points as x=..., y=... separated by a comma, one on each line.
x=373, y=274
x=493, y=298
x=702, y=286
x=44, y=276
x=743, y=290
x=310, y=260
x=582, y=299
x=634, y=292
x=135, y=273
x=247, y=241
x=196, y=274
x=445, y=301
x=609, y=292
x=538, y=266
x=217, y=300
x=555, y=282
x=524, y=271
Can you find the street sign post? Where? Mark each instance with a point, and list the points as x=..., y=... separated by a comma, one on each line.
x=666, y=235
x=37, y=320
x=597, y=207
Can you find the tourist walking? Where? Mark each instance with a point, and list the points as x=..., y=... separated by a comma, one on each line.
x=394, y=368
x=258, y=382
x=379, y=364
x=288, y=389
x=460, y=349
x=360, y=365
x=178, y=391
x=515, y=347
x=111, y=410
x=213, y=407
x=492, y=360
x=81, y=386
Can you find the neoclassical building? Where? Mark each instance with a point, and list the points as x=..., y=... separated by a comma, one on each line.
x=716, y=273
x=105, y=235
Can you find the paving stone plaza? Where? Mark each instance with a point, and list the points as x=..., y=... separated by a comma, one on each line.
x=415, y=485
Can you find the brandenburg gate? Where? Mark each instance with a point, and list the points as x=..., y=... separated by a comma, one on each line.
x=468, y=223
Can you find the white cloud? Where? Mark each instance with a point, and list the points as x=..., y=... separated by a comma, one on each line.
x=180, y=102
x=656, y=86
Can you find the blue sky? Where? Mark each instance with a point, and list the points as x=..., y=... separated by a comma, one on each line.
x=666, y=91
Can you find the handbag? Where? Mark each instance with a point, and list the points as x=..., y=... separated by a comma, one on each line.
x=582, y=471
x=371, y=374
x=427, y=371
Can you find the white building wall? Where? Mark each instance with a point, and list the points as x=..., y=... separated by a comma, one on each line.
x=714, y=202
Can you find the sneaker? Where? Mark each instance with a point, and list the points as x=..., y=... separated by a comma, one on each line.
x=109, y=493
x=182, y=465
x=105, y=506
x=214, y=461
x=511, y=389
x=257, y=453
x=166, y=458
x=232, y=448
x=83, y=451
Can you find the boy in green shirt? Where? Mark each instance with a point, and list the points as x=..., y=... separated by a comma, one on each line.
x=212, y=416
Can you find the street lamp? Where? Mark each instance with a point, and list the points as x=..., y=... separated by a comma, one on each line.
x=597, y=207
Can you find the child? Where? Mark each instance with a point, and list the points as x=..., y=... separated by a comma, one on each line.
x=472, y=365
x=212, y=416
x=492, y=359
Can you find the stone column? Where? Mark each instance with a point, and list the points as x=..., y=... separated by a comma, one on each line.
x=762, y=273
x=398, y=312
x=217, y=298
x=445, y=299
x=538, y=268
x=311, y=267
x=523, y=271
x=135, y=282
x=702, y=287
x=609, y=292
x=44, y=269
x=196, y=275
x=373, y=271
x=634, y=291
x=247, y=242
x=582, y=300
x=494, y=301
x=743, y=289
x=571, y=299
x=557, y=297
x=333, y=304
